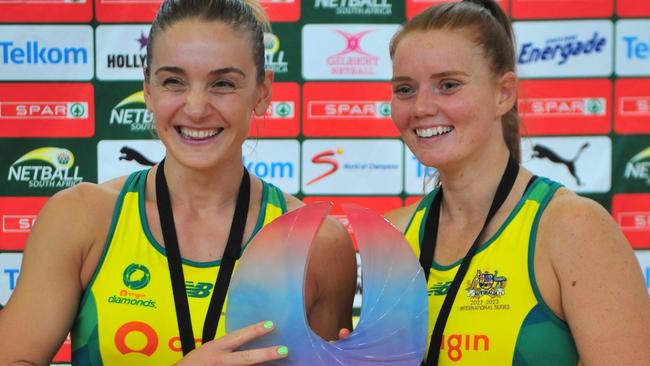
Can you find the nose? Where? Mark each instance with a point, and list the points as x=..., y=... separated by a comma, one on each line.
x=196, y=104
x=425, y=103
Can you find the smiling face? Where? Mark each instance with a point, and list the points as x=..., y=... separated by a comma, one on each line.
x=447, y=104
x=202, y=89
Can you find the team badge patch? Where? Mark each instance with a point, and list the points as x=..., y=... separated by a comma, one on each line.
x=485, y=283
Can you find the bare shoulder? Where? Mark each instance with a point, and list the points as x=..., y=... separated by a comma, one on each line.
x=77, y=212
x=574, y=229
x=576, y=218
x=599, y=278
x=400, y=217
x=55, y=254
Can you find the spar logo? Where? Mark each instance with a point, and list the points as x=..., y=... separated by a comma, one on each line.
x=43, y=110
x=131, y=112
x=348, y=109
x=18, y=223
x=634, y=221
x=327, y=158
x=563, y=107
x=273, y=55
x=281, y=109
x=352, y=59
x=638, y=167
x=634, y=106
x=356, y=7
x=58, y=172
x=559, y=50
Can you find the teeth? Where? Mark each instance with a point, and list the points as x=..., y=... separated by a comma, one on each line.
x=433, y=131
x=198, y=134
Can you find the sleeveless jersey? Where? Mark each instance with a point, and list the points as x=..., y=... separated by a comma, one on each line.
x=127, y=314
x=499, y=316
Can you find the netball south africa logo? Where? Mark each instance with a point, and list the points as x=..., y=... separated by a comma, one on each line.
x=486, y=284
x=136, y=276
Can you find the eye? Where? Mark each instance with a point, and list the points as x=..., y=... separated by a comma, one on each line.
x=172, y=83
x=223, y=85
x=448, y=86
x=403, y=91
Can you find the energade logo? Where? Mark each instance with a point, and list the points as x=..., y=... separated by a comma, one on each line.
x=560, y=49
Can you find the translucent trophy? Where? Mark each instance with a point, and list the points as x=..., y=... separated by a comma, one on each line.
x=268, y=284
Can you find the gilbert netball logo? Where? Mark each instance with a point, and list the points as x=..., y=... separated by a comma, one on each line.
x=326, y=157
x=353, y=59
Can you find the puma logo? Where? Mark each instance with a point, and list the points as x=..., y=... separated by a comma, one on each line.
x=130, y=154
x=542, y=152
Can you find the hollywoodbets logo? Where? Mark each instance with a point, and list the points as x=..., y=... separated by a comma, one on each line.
x=130, y=61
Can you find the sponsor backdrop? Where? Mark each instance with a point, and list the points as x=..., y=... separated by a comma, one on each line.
x=72, y=109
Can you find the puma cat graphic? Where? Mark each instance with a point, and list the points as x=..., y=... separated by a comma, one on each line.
x=541, y=152
x=130, y=154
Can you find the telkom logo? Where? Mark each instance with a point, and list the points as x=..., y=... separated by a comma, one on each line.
x=32, y=53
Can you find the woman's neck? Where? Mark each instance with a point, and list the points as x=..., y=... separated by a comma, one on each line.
x=198, y=189
x=470, y=186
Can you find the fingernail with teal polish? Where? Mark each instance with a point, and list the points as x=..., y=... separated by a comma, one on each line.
x=283, y=350
x=268, y=324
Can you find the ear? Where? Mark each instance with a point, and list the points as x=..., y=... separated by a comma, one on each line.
x=264, y=94
x=507, y=93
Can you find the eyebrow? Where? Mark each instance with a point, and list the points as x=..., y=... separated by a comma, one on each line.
x=215, y=72
x=432, y=76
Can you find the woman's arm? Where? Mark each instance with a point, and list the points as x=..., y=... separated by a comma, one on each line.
x=331, y=280
x=43, y=306
x=601, y=288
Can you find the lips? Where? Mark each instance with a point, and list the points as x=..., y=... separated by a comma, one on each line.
x=198, y=134
x=433, y=131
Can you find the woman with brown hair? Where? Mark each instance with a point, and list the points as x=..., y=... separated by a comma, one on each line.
x=520, y=270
